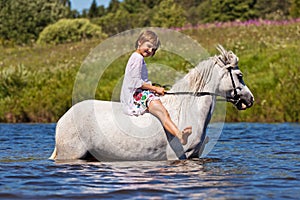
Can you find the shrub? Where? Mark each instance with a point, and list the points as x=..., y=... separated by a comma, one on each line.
x=122, y=20
x=21, y=21
x=168, y=14
x=13, y=80
x=70, y=30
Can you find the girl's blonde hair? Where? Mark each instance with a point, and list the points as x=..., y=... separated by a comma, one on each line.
x=148, y=36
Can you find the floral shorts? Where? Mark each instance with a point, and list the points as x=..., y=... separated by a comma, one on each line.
x=142, y=98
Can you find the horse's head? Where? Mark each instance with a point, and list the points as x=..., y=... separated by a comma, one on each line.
x=232, y=86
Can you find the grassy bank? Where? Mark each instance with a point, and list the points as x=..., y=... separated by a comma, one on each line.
x=36, y=82
x=269, y=58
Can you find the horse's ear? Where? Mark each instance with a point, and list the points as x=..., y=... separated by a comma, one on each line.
x=223, y=55
x=232, y=59
x=221, y=49
x=229, y=58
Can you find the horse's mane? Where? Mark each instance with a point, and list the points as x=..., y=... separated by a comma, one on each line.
x=194, y=81
x=197, y=78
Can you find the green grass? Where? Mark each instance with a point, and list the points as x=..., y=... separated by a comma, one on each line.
x=36, y=82
x=269, y=59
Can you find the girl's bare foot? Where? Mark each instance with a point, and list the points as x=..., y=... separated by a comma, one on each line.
x=185, y=134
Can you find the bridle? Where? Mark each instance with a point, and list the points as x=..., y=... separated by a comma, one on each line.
x=236, y=97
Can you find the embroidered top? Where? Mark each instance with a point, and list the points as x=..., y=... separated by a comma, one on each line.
x=136, y=73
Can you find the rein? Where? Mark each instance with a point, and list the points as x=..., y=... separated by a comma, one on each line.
x=197, y=94
x=235, y=99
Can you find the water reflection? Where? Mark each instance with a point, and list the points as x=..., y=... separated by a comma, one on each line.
x=171, y=178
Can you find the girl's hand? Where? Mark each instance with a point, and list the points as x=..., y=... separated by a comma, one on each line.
x=160, y=90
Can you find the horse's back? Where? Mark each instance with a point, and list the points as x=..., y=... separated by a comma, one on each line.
x=101, y=128
x=110, y=114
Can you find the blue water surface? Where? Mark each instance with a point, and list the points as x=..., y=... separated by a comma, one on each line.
x=250, y=161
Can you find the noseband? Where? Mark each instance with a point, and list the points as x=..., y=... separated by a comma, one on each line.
x=236, y=97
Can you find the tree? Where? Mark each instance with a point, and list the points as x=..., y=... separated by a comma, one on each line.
x=93, y=11
x=66, y=3
x=295, y=8
x=74, y=14
x=21, y=21
x=113, y=6
x=113, y=23
x=133, y=6
x=101, y=11
x=130, y=14
x=187, y=4
x=230, y=10
x=203, y=11
x=168, y=14
x=139, y=13
x=151, y=3
x=275, y=8
x=196, y=10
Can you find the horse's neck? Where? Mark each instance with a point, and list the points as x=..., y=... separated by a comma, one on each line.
x=199, y=79
x=195, y=111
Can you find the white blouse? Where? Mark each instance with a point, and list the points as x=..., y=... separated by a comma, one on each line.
x=136, y=73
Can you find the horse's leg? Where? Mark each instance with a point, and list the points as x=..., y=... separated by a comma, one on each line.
x=53, y=155
x=68, y=144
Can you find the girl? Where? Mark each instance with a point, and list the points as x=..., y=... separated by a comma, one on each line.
x=138, y=94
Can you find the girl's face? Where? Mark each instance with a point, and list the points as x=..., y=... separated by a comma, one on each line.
x=146, y=49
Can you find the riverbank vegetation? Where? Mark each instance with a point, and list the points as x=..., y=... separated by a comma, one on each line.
x=44, y=42
x=36, y=82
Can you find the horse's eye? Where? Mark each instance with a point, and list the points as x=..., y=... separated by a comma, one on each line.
x=240, y=76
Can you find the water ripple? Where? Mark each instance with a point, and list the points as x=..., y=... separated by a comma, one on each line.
x=250, y=161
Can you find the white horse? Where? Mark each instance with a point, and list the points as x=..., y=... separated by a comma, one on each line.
x=100, y=130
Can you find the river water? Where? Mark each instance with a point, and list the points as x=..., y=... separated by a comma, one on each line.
x=250, y=161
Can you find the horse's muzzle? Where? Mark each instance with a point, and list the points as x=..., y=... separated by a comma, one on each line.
x=243, y=104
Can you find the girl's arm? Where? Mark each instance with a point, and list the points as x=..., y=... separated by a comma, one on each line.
x=158, y=90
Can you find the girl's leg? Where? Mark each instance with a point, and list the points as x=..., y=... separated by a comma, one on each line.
x=157, y=109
